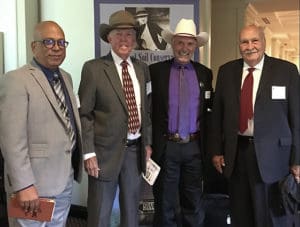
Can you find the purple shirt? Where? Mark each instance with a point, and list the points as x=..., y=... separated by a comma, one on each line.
x=194, y=97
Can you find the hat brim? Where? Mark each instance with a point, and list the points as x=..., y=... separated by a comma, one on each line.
x=201, y=38
x=105, y=29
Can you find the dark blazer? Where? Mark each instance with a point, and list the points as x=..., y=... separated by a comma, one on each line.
x=104, y=114
x=276, y=122
x=160, y=74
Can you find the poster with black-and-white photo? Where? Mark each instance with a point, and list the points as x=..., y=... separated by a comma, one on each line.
x=153, y=17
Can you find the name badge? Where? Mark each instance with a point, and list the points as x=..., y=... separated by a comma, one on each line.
x=278, y=92
x=77, y=100
x=207, y=94
x=148, y=88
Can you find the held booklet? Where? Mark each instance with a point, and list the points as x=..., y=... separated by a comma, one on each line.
x=45, y=213
x=152, y=171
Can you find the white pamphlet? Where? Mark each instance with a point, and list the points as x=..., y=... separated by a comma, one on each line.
x=152, y=171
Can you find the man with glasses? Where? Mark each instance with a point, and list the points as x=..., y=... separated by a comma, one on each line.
x=40, y=134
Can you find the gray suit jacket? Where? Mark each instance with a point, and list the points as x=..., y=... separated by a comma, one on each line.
x=104, y=114
x=33, y=138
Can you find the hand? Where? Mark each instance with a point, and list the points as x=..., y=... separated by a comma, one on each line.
x=29, y=200
x=295, y=170
x=218, y=162
x=148, y=152
x=91, y=166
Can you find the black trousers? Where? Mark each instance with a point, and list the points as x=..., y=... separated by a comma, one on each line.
x=177, y=191
x=253, y=202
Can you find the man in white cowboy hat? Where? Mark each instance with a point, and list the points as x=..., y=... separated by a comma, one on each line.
x=116, y=124
x=180, y=97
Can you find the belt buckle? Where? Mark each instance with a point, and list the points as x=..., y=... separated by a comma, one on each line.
x=183, y=140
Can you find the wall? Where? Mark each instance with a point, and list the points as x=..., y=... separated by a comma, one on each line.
x=227, y=19
x=76, y=17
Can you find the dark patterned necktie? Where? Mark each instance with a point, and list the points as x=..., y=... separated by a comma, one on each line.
x=133, y=119
x=60, y=97
x=183, y=109
x=246, y=106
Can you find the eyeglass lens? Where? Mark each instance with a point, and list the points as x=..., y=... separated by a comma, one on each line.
x=49, y=43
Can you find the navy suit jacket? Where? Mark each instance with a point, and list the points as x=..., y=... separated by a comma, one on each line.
x=276, y=121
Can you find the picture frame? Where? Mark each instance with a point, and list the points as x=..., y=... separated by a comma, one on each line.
x=163, y=14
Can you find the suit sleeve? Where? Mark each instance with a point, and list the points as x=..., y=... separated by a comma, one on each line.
x=13, y=131
x=294, y=114
x=148, y=139
x=87, y=95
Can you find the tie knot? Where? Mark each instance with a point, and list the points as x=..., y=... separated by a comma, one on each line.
x=250, y=70
x=124, y=63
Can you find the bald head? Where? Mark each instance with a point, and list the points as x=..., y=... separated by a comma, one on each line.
x=43, y=27
x=252, y=44
x=50, y=56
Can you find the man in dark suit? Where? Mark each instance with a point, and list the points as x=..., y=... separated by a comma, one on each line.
x=178, y=117
x=116, y=126
x=255, y=137
x=40, y=133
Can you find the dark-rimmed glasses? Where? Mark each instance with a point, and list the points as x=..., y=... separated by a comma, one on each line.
x=50, y=43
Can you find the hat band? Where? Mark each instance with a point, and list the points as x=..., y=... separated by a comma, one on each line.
x=127, y=25
x=185, y=34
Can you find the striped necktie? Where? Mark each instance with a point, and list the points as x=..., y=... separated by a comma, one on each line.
x=60, y=97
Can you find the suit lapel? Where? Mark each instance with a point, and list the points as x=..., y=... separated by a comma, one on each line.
x=139, y=74
x=113, y=76
x=72, y=98
x=265, y=77
x=41, y=79
x=238, y=73
x=164, y=83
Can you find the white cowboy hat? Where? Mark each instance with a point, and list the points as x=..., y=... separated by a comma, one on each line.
x=186, y=28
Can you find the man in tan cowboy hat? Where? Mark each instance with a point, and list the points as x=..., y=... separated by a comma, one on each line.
x=116, y=124
x=180, y=97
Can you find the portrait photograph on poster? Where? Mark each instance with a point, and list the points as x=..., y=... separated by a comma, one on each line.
x=152, y=17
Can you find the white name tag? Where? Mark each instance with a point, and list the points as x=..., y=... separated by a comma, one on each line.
x=77, y=100
x=148, y=88
x=278, y=92
x=207, y=94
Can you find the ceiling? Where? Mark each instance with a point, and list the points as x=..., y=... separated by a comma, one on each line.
x=282, y=18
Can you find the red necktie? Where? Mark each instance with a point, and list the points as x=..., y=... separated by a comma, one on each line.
x=133, y=119
x=246, y=107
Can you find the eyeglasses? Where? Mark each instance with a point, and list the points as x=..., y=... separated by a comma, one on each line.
x=50, y=43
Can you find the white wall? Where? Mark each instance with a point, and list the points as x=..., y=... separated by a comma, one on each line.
x=76, y=17
x=8, y=17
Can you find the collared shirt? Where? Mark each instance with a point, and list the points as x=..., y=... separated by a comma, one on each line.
x=51, y=78
x=256, y=78
x=194, y=100
x=136, y=87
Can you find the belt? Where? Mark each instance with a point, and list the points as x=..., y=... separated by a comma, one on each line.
x=248, y=139
x=174, y=137
x=133, y=142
